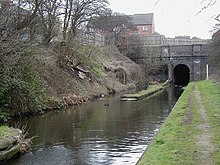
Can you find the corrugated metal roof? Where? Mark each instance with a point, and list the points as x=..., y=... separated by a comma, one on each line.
x=143, y=19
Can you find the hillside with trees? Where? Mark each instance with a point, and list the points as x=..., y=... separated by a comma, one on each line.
x=44, y=62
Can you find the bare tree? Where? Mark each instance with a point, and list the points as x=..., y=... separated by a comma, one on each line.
x=152, y=59
x=83, y=11
x=16, y=16
x=114, y=25
x=214, y=55
x=68, y=10
x=131, y=45
x=50, y=11
x=217, y=25
x=207, y=4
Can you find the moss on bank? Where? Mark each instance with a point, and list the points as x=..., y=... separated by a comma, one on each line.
x=145, y=93
x=175, y=143
x=2, y=130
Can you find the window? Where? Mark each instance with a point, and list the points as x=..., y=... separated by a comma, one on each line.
x=145, y=28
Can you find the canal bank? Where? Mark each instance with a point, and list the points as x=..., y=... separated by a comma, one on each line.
x=190, y=134
x=62, y=75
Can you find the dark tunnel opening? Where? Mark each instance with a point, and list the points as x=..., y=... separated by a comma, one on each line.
x=181, y=75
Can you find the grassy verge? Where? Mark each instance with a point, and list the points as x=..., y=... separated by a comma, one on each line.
x=144, y=93
x=210, y=94
x=175, y=143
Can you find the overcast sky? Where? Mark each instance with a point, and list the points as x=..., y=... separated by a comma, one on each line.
x=173, y=17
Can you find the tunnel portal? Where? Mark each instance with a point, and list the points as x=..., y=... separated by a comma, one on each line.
x=181, y=75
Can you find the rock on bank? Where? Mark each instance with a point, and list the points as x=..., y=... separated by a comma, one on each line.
x=9, y=143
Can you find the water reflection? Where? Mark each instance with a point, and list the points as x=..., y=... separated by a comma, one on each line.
x=97, y=134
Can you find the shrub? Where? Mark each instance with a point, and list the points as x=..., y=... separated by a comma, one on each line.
x=21, y=88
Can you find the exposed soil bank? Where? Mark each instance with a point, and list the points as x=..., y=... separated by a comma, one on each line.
x=190, y=134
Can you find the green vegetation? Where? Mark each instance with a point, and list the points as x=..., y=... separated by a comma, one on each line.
x=210, y=92
x=175, y=143
x=21, y=88
x=90, y=56
x=2, y=130
x=144, y=93
x=28, y=71
x=35, y=78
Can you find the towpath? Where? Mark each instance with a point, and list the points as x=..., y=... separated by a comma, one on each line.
x=205, y=147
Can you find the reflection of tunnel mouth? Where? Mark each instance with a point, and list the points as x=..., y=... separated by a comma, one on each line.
x=181, y=74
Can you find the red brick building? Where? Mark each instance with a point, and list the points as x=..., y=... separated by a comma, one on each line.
x=144, y=23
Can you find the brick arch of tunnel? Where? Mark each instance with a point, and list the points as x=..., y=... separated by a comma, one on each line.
x=181, y=74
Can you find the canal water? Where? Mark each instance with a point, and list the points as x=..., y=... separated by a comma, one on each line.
x=94, y=133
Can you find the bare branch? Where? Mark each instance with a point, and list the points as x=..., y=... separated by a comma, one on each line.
x=208, y=4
